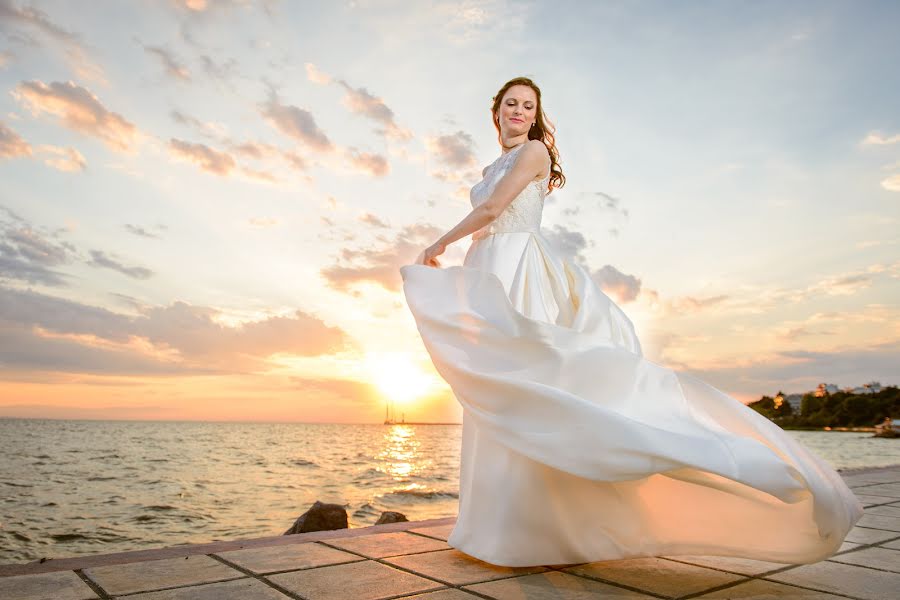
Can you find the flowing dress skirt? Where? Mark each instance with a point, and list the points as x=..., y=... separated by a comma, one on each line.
x=576, y=448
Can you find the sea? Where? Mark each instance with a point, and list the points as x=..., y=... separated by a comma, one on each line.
x=76, y=487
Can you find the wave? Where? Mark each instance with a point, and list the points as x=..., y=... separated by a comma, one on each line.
x=424, y=494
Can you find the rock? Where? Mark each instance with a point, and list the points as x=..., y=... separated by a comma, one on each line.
x=390, y=516
x=320, y=517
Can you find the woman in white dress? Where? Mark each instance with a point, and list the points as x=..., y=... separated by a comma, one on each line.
x=576, y=448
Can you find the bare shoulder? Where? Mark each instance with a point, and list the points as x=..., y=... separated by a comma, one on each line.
x=535, y=157
x=535, y=153
x=536, y=147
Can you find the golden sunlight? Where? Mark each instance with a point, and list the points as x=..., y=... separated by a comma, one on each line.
x=397, y=376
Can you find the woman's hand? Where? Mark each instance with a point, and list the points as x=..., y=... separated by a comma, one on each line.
x=429, y=255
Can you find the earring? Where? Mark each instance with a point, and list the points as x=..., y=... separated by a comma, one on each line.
x=532, y=124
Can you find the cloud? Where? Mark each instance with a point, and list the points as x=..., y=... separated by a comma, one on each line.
x=316, y=76
x=570, y=243
x=792, y=334
x=199, y=7
x=621, y=286
x=877, y=139
x=360, y=101
x=802, y=370
x=259, y=175
x=222, y=71
x=296, y=123
x=194, y=5
x=37, y=20
x=208, y=129
x=353, y=392
x=373, y=220
x=31, y=255
x=256, y=150
x=468, y=21
x=140, y=231
x=209, y=160
x=11, y=143
x=602, y=201
x=222, y=162
x=46, y=333
x=612, y=281
x=79, y=110
x=454, y=150
x=173, y=67
x=64, y=159
x=262, y=222
x=100, y=259
x=892, y=183
x=26, y=349
x=367, y=162
x=381, y=266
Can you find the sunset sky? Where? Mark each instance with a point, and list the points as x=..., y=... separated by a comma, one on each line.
x=204, y=204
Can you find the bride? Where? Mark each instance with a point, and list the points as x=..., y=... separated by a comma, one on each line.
x=575, y=447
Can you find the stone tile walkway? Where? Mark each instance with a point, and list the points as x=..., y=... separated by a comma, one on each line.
x=412, y=560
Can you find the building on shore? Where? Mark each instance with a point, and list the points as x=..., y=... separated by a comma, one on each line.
x=824, y=389
x=873, y=387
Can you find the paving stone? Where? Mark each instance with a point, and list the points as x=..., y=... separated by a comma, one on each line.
x=838, y=578
x=380, y=545
x=364, y=580
x=758, y=589
x=864, y=535
x=895, y=544
x=887, y=476
x=441, y=532
x=287, y=557
x=868, y=500
x=849, y=546
x=879, y=522
x=457, y=568
x=159, y=574
x=656, y=575
x=444, y=594
x=59, y=585
x=859, y=481
x=743, y=566
x=552, y=585
x=238, y=589
x=889, y=510
x=881, y=489
x=874, y=558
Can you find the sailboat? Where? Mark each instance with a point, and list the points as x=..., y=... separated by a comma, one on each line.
x=392, y=420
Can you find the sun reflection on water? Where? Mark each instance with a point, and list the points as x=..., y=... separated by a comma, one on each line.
x=400, y=454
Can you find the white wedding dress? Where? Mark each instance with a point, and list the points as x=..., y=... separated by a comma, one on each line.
x=576, y=448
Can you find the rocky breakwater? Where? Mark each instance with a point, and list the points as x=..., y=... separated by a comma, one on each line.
x=323, y=516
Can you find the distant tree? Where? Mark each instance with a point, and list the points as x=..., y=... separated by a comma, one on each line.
x=841, y=409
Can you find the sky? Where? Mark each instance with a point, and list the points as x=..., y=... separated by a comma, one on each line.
x=204, y=205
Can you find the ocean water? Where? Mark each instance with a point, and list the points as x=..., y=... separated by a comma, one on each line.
x=69, y=488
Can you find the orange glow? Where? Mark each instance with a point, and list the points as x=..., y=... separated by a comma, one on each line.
x=397, y=377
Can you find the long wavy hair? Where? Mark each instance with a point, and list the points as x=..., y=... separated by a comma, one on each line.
x=542, y=130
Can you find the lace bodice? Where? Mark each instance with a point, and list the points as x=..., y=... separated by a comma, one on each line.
x=524, y=212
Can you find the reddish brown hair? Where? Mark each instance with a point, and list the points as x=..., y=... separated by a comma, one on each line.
x=542, y=130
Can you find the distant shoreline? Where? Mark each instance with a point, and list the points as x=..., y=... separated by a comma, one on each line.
x=801, y=428
x=419, y=423
x=94, y=420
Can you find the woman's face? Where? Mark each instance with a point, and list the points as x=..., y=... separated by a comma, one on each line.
x=518, y=111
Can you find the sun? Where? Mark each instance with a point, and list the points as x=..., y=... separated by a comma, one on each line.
x=398, y=378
